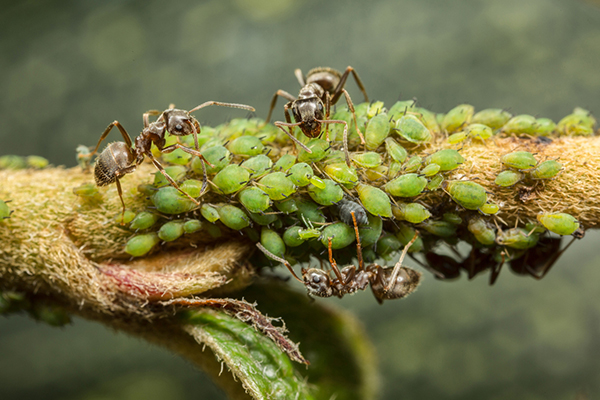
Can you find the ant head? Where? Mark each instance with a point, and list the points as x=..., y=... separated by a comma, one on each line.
x=180, y=123
x=112, y=163
x=308, y=112
x=407, y=281
x=317, y=282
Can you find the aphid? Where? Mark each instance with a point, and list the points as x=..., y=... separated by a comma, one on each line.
x=517, y=238
x=410, y=128
x=233, y=217
x=277, y=185
x=12, y=162
x=231, y=179
x=271, y=241
x=88, y=192
x=300, y=174
x=246, y=146
x=192, y=225
x=479, y=131
x=458, y=137
x=489, y=208
x=430, y=170
x=318, y=149
x=37, y=162
x=484, y=234
x=394, y=150
x=413, y=164
x=265, y=219
x=140, y=245
x=4, y=210
x=439, y=228
x=255, y=200
x=377, y=131
x=519, y=160
x=546, y=170
x=386, y=283
x=414, y=213
x=407, y=185
x=175, y=172
x=495, y=118
x=285, y=162
x=377, y=173
x=367, y=160
x=338, y=234
x=309, y=210
x=457, y=118
x=580, y=122
x=544, y=127
x=387, y=244
x=371, y=230
x=342, y=174
x=428, y=119
x=321, y=88
x=508, y=178
x=327, y=196
x=143, y=220
x=447, y=159
x=375, y=200
x=468, y=194
x=347, y=208
x=452, y=218
x=291, y=236
x=375, y=108
x=217, y=158
x=435, y=182
x=258, y=165
x=401, y=108
x=171, y=230
x=119, y=159
x=169, y=200
x=520, y=124
x=210, y=213
x=559, y=223
x=287, y=206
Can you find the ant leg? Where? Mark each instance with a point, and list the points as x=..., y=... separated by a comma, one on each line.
x=300, y=76
x=120, y=191
x=147, y=114
x=291, y=135
x=167, y=177
x=392, y=282
x=351, y=107
x=358, y=246
x=193, y=152
x=336, y=271
x=338, y=90
x=281, y=93
x=327, y=109
x=495, y=270
x=344, y=135
x=552, y=261
x=281, y=260
x=107, y=131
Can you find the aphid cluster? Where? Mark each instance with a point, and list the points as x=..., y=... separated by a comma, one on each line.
x=247, y=178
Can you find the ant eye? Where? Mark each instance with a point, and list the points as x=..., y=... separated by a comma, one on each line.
x=316, y=279
x=178, y=127
x=320, y=106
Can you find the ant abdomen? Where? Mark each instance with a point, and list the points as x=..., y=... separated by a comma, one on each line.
x=112, y=162
x=407, y=280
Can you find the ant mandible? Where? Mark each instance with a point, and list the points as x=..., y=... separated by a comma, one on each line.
x=321, y=88
x=386, y=283
x=121, y=158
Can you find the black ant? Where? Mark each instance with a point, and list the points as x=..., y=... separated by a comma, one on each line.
x=321, y=88
x=121, y=158
x=386, y=283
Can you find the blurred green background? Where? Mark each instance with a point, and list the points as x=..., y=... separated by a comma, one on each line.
x=68, y=68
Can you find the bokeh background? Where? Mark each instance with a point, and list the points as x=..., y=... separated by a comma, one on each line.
x=68, y=68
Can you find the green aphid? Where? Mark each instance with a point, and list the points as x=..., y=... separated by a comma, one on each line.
x=370, y=233
x=300, y=174
x=265, y=218
x=484, y=233
x=479, y=131
x=375, y=108
x=452, y=218
x=140, y=245
x=468, y=194
x=387, y=245
x=457, y=118
x=435, y=182
x=143, y=220
x=579, y=123
x=447, y=159
x=439, y=228
x=414, y=213
x=405, y=234
x=246, y=146
x=258, y=165
x=5, y=211
x=218, y=156
x=430, y=170
x=376, y=174
x=519, y=160
x=378, y=128
x=171, y=230
x=375, y=200
x=318, y=182
x=83, y=156
x=534, y=227
x=559, y=223
x=177, y=156
x=428, y=118
x=233, y=217
x=169, y=200
x=457, y=137
x=495, y=118
x=327, y=196
x=37, y=162
x=544, y=127
x=341, y=235
x=277, y=185
x=394, y=170
x=255, y=200
x=517, y=238
x=395, y=150
x=309, y=233
x=272, y=242
x=285, y=162
x=342, y=174
x=12, y=162
x=319, y=147
x=546, y=170
x=335, y=157
x=521, y=124
x=508, y=178
x=287, y=206
x=192, y=187
x=362, y=109
x=401, y=108
x=125, y=217
x=309, y=210
x=192, y=226
x=291, y=236
x=210, y=213
x=146, y=189
x=176, y=172
x=489, y=209
x=88, y=192
x=213, y=230
x=407, y=185
x=231, y=179
x=412, y=129
x=367, y=160
x=413, y=164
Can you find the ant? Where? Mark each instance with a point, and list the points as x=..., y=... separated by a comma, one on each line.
x=386, y=283
x=121, y=158
x=321, y=88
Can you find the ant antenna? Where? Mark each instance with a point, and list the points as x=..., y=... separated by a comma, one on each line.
x=281, y=260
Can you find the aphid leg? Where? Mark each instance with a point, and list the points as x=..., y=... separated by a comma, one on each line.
x=281, y=260
x=291, y=135
x=167, y=177
x=107, y=131
x=392, y=282
x=358, y=246
x=283, y=94
x=336, y=270
x=344, y=135
x=351, y=107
